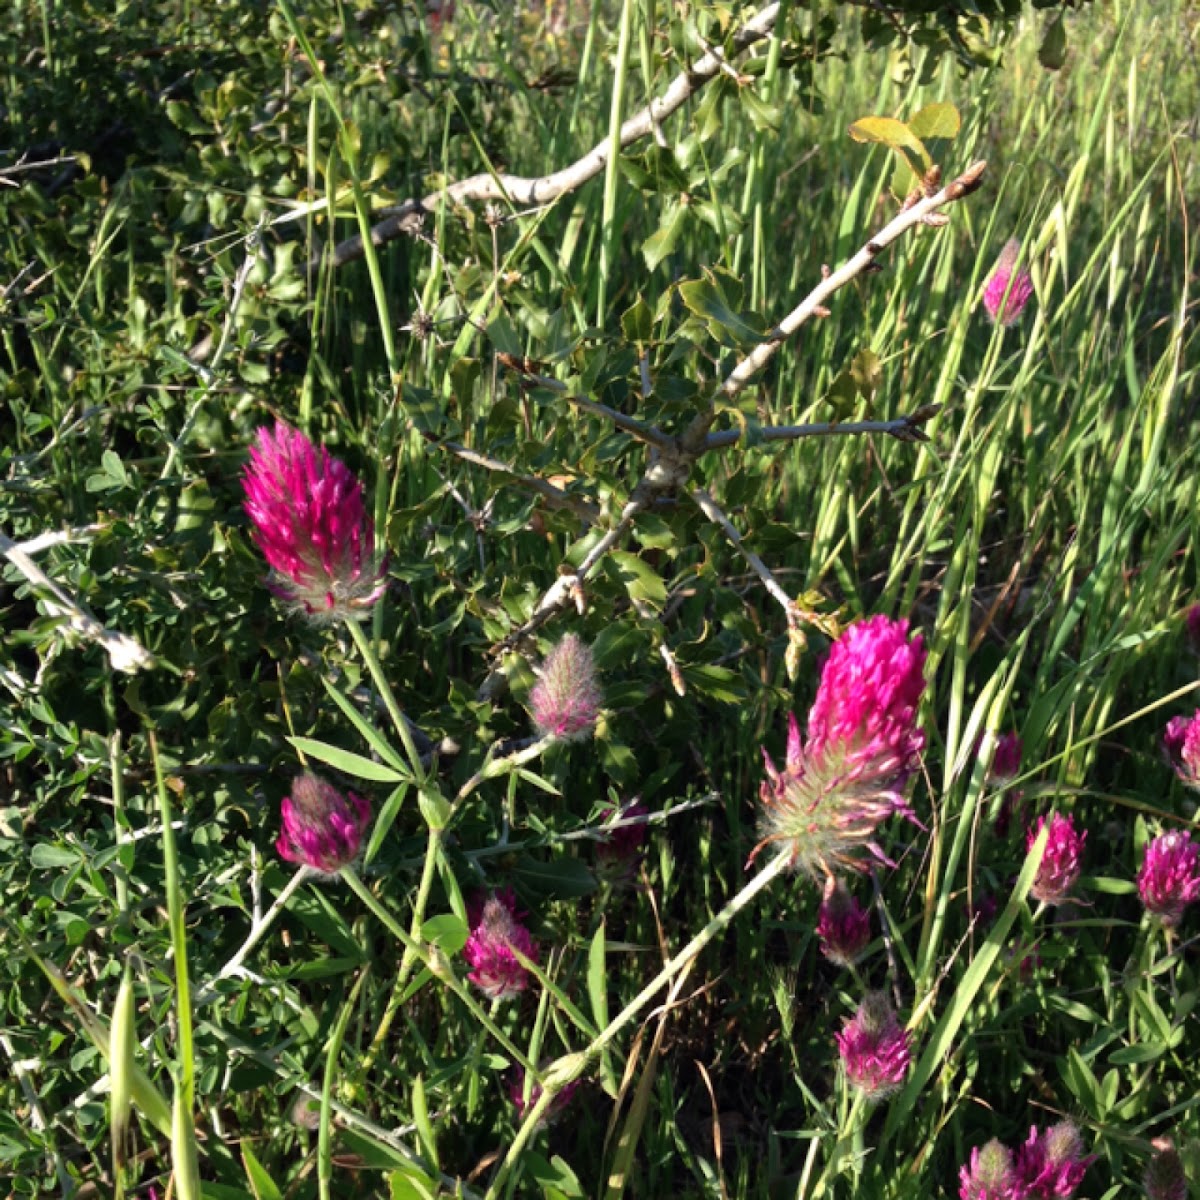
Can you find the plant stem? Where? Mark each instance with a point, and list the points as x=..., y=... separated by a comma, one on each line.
x=375, y=667
x=571, y=1067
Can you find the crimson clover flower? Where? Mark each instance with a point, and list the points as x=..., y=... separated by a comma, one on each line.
x=307, y=511
x=565, y=701
x=620, y=849
x=874, y=1048
x=1181, y=743
x=322, y=828
x=1006, y=293
x=863, y=744
x=1170, y=876
x=495, y=934
x=1062, y=862
x=843, y=925
x=1165, y=1178
x=516, y=1093
x=1051, y=1165
x=1006, y=761
x=990, y=1175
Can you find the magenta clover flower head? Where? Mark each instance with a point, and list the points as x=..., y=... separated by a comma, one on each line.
x=874, y=1048
x=495, y=934
x=565, y=701
x=516, y=1092
x=1192, y=621
x=620, y=849
x=990, y=1175
x=307, y=511
x=843, y=925
x=1051, y=1165
x=1165, y=1176
x=863, y=744
x=1006, y=293
x=1062, y=861
x=1006, y=761
x=1181, y=743
x=1170, y=876
x=322, y=828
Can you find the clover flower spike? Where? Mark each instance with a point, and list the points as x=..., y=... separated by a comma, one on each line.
x=495, y=934
x=1006, y=293
x=990, y=1175
x=1006, y=761
x=1165, y=1178
x=619, y=851
x=307, y=511
x=1181, y=743
x=565, y=701
x=322, y=828
x=1192, y=621
x=1170, y=876
x=874, y=1048
x=1062, y=861
x=516, y=1093
x=843, y=925
x=1051, y=1165
x=863, y=744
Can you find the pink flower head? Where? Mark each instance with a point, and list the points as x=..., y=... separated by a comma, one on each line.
x=618, y=852
x=565, y=701
x=1181, y=743
x=1165, y=1178
x=1192, y=620
x=1006, y=293
x=307, y=511
x=322, y=828
x=874, y=1049
x=1006, y=761
x=516, y=1092
x=1051, y=1165
x=1170, y=876
x=843, y=925
x=991, y=1174
x=1062, y=862
x=495, y=969
x=863, y=745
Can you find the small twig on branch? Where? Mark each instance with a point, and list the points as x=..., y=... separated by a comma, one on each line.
x=710, y=508
x=583, y=509
x=906, y=429
x=406, y=217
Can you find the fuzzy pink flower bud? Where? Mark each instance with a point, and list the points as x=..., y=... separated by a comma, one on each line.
x=1051, y=1165
x=863, y=745
x=1006, y=293
x=565, y=701
x=1062, y=861
x=1181, y=744
x=619, y=851
x=307, y=511
x=1170, y=876
x=1165, y=1178
x=874, y=1049
x=496, y=933
x=843, y=925
x=322, y=828
x=991, y=1174
x=516, y=1092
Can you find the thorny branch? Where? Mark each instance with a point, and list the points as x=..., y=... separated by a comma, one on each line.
x=407, y=217
x=670, y=464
